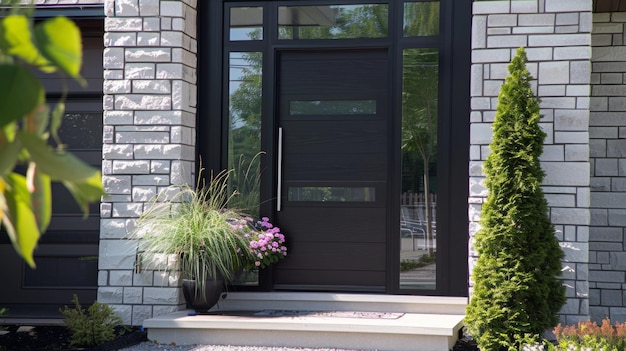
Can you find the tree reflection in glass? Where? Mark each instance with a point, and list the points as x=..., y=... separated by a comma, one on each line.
x=421, y=19
x=244, y=136
x=333, y=21
x=419, y=145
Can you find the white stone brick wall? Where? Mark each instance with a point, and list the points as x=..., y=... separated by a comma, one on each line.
x=557, y=38
x=607, y=133
x=149, y=140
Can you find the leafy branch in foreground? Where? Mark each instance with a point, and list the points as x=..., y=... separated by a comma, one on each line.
x=27, y=123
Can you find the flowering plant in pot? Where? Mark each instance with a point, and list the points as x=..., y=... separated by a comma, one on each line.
x=196, y=227
x=266, y=244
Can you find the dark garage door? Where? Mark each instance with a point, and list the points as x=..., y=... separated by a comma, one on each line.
x=67, y=255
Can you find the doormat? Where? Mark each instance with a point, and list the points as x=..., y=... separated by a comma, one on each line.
x=332, y=314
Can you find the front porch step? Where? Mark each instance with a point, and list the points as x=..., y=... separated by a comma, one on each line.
x=411, y=322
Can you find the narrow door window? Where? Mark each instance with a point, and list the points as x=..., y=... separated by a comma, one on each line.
x=418, y=224
x=244, y=137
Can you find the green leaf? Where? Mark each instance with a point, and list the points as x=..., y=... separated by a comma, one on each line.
x=90, y=190
x=4, y=210
x=21, y=217
x=20, y=93
x=39, y=187
x=8, y=132
x=15, y=39
x=58, y=39
x=8, y=156
x=56, y=118
x=37, y=121
x=59, y=165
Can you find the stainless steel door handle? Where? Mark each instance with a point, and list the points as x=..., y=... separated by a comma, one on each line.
x=279, y=173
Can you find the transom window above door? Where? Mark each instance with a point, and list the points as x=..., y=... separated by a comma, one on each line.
x=338, y=21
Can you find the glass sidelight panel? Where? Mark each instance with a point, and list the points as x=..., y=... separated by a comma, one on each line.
x=244, y=137
x=333, y=21
x=418, y=203
x=421, y=18
x=244, y=134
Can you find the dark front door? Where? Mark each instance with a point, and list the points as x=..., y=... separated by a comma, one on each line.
x=334, y=160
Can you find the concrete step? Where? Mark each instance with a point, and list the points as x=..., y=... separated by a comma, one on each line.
x=318, y=320
x=341, y=302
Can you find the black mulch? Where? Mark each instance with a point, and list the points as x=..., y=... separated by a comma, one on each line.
x=59, y=338
x=465, y=344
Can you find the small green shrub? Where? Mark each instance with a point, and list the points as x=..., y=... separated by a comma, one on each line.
x=516, y=295
x=93, y=326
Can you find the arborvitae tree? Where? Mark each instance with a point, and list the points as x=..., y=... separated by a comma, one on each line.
x=516, y=290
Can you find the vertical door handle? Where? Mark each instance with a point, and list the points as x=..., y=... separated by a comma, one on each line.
x=279, y=171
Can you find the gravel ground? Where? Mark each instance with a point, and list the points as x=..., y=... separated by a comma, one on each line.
x=150, y=346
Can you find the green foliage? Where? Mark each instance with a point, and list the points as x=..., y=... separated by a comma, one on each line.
x=245, y=110
x=93, y=326
x=245, y=182
x=195, y=226
x=53, y=45
x=589, y=336
x=425, y=260
x=516, y=290
x=358, y=21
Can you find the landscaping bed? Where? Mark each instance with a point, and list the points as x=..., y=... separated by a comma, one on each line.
x=26, y=338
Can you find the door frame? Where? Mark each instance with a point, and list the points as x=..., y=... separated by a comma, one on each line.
x=454, y=45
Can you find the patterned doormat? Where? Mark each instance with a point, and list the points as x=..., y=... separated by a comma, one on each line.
x=333, y=314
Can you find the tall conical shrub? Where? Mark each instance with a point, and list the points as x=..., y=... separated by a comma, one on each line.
x=516, y=289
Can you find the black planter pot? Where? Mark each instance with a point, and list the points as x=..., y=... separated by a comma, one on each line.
x=202, y=301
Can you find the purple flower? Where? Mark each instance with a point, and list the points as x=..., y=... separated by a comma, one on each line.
x=265, y=241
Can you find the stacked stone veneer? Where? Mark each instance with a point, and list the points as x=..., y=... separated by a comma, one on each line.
x=607, y=133
x=557, y=38
x=149, y=140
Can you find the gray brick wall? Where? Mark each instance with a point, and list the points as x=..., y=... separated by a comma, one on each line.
x=607, y=134
x=149, y=140
x=557, y=38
